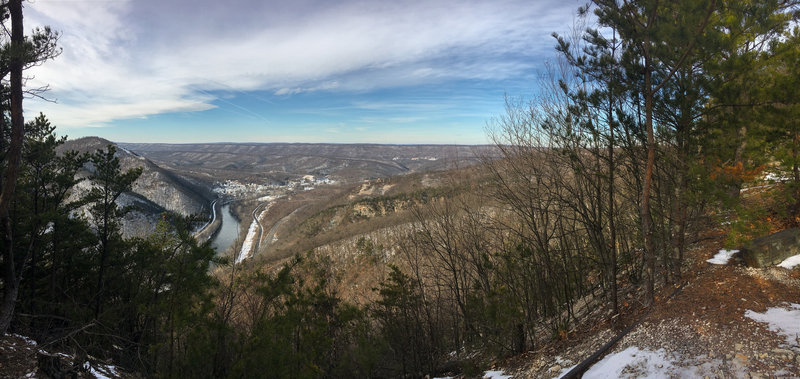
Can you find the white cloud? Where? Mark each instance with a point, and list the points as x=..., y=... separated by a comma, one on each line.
x=126, y=59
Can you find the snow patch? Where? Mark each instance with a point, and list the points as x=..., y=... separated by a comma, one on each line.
x=722, y=257
x=791, y=262
x=26, y=339
x=247, y=245
x=776, y=177
x=495, y=374
x=252, y=239
x=632, y=363
x=637, y=363
x=783, y=321
x=103, y=371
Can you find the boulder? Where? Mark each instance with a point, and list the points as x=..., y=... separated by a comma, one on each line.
x=772, y=249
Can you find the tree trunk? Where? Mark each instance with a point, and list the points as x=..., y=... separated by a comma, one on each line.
x=103, y=255
x=11, y=279
x=11, y=284
x=647, y=217
x=612, y=228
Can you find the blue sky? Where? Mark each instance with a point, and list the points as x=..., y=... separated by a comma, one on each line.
x=291, y=71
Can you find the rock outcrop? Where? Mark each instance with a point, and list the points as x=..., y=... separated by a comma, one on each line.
x=772, y=249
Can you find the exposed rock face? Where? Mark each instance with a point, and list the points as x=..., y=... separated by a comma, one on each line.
x=772, y=249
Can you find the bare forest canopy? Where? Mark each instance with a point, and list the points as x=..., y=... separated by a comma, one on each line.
x=648, y=124
x=281, y=161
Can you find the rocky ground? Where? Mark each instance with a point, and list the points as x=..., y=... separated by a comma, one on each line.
x=702, y=328
x=22, y=357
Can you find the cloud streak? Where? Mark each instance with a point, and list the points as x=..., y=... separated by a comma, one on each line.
x=131, y=59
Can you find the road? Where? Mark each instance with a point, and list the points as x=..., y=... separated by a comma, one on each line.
x=260, y=227
x=213, y=218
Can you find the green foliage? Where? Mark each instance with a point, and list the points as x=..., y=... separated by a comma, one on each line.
x=498, y=313
x=109, y=183
x=749, y=222
x=403, y=322
x=166, y=287
x=368, y=248
x=44, y=231
x=304, y=330
x=154, y=291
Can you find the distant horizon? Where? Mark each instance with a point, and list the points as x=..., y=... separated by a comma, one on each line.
x=282, y=143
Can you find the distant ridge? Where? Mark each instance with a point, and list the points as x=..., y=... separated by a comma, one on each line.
x=278, y=162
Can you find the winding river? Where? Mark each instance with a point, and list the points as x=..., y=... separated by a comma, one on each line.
x=228, y=231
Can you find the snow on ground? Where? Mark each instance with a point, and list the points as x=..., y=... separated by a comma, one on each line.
x=637, y=363
x=250, y=239
x=103, y=371
x=783, y=321
x=722, y=257
x=791, y=262
x=776, y=177
x=26, y=339
x=632, y=363
x=495, y=375
x=22, y=351
x=247, y=245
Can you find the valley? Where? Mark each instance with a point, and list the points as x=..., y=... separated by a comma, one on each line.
x=355, y=228
x=269, y=201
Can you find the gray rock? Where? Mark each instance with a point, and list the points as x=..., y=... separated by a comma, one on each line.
x=782, y=352
x=772, y=249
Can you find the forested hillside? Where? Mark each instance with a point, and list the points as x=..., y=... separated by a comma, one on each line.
x=657, y=127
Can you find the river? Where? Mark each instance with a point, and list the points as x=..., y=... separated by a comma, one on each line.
x=228, y=231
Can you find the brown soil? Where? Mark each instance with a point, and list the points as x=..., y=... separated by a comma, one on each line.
x=702, y=320
x=17, y=357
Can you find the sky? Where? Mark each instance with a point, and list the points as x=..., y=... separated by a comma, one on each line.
x=349, y=71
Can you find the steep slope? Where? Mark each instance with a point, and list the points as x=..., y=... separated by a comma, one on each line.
x=710, y=325
x=164, y=188
x=276, y=227
x=156, y=191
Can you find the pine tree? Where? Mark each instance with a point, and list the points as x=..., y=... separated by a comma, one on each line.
x=109, y=184
x=15, y=56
